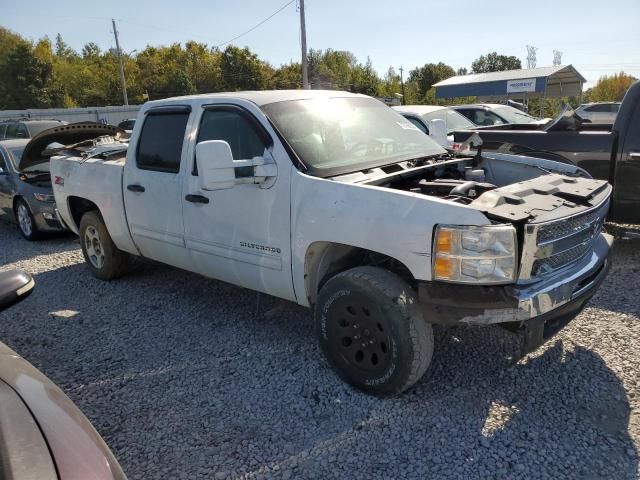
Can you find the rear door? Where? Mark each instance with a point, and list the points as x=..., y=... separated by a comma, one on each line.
x=152, y=185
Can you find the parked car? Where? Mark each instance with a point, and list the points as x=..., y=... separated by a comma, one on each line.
x=127, y=125
x=10, y=129
x=26, y=196
x=422, y=117
x=493, y=114
x=337, y=202
x=601, y=112
x=608, y=153
x=43, y=435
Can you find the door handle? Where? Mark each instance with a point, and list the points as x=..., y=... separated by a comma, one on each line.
x=196, y=199
x=135, y=188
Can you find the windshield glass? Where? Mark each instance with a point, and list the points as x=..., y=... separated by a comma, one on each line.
x=37, y=127
x=453, y=120
x=339, y=135
x=513, y=115
x=15, y=154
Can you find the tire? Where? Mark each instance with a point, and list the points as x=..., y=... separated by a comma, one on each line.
x=372, y=332
x=26, y=223
x=103, y=258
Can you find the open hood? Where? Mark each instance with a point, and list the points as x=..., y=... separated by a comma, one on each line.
x=67, y=136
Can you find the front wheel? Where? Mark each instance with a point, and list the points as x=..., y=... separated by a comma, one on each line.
x=26, y=223
x=100, y=253
x=372, y=332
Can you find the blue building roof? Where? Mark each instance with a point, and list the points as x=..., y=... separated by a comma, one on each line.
x=559, y=80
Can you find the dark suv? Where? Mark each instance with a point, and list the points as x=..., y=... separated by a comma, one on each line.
x=10, y=129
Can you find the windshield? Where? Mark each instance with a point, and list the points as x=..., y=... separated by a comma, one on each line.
x=453, y=120
x=15, y=154
x=513, y=115
x=345, y=134
x=37, y=127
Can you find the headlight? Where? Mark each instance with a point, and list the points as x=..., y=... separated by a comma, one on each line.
x=466, y=254
x=43, y=197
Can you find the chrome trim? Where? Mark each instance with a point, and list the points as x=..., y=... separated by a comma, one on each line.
x=542, y=297
x=531, y=248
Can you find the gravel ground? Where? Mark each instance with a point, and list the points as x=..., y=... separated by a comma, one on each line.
x=188, y=378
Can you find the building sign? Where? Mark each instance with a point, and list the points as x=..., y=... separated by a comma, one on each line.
x=520, y=86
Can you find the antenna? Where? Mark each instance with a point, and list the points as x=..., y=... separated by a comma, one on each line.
x=531, y=56
x=557, y=57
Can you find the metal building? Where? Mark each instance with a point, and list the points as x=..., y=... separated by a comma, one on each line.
x=556, y=81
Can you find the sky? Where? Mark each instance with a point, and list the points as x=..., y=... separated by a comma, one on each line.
x=598, y=38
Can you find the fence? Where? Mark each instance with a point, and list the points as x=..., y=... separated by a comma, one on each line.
x=111, y=115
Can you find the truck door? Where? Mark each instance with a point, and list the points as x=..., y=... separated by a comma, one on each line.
x=626, y=185
x=152, y=186
x=242, y=234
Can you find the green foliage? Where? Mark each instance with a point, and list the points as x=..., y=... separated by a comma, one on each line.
x=492, y=62
x=41, y=75
x=426, y=76
x=610, y=88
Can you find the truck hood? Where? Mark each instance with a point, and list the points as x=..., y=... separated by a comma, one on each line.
x=68, y=137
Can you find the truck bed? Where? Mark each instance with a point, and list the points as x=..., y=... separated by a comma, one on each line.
x=98, y=181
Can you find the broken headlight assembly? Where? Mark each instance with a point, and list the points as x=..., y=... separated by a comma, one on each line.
x=475, y=254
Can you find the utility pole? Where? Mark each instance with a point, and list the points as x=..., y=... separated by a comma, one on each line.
x=402, y=84
x=303, y=42
x=122, y=79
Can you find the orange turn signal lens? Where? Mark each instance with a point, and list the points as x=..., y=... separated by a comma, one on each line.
x=444, y=242
x=443, y=268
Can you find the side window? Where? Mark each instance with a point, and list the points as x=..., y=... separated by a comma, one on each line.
x=235, y=129
x=160, y=144
x=598, y=108
x=17, y=130
x=3, y=129
x=467, y=113
x=418, y=124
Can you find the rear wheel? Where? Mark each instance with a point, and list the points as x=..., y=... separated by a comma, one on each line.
x=372, y=332
x=100, y=253
x=26, y=223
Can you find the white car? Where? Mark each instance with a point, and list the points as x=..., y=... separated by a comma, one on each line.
x=423, y=116
x=486, y=114
x=336, y=202
x=601, y=112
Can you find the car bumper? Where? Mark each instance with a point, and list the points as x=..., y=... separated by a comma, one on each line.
x=46, y=218
x=542, y=308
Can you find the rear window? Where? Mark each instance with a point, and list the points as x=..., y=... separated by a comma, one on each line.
x=160, y=145
x=36, y=128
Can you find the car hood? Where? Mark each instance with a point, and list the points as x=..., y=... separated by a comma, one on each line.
x=68, y=136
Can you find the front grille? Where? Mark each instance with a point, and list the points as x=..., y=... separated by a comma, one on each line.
x=551, y=246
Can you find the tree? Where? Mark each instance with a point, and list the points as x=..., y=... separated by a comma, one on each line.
x=429, y=74
x=242, y=70
x=462, y=71
x=611, y=88
x=63, y=50
x=26, y=76
x=492, y=62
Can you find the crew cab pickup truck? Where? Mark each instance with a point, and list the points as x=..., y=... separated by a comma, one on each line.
x=336, y=202
x=608, y=153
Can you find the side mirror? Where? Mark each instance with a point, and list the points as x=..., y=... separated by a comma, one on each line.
x=15, y=286
x=216, y=167
x=438, y=131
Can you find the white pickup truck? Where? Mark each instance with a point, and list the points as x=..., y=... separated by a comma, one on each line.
x=336, y=202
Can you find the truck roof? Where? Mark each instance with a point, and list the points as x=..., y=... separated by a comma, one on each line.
x=260, y=98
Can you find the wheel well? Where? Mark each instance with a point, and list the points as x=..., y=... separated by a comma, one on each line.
x=15, y=201
x=78, y=207
x=323, y=260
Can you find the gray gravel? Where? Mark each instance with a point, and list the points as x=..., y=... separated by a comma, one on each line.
x=186, y=378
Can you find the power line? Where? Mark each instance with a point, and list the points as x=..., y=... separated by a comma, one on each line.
x=257, y=24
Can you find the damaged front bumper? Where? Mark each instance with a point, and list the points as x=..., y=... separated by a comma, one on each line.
x=541, y=308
